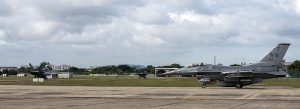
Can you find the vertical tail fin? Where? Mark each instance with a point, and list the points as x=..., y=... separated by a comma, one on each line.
x=277, y=54
x=32, y=68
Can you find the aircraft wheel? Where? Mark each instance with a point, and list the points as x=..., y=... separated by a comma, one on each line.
x=203, y=85
x=238, y=86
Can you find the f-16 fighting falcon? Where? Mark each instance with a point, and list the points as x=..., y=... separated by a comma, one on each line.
x=271, y=66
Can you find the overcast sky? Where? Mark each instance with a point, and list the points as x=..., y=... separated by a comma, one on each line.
x=158, y=32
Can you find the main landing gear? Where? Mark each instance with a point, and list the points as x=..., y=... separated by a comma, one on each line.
x=238, y=85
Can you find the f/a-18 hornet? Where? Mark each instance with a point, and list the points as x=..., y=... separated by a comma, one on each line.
x=41, y=71
x=142, y=75
x=271, y=66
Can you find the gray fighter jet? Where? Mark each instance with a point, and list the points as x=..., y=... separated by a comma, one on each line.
x=271, y=66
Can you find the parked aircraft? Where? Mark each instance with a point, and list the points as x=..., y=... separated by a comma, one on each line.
x=142, y=75
x=271, y=66
x=39, y=72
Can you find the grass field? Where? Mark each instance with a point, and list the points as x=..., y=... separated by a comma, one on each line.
x=127, y=81
x=104, y=81
x=290, y=82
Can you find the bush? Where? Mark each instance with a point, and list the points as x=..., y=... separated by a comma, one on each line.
x=294, y=69
x=294, y=74
x=11, y=72
x=5, y=72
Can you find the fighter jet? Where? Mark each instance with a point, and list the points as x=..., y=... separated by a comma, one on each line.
x=271, y=66
x=142, y=75
x=39, y=72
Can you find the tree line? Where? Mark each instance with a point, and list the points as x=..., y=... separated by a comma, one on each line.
x=127, y=69
x=110, y=69
x=294, y=69
x=9, y=72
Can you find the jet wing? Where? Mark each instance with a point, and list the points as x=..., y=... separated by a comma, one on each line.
x=238, y=74
x=232, y=72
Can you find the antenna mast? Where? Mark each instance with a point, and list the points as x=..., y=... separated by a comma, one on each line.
x=215, y=59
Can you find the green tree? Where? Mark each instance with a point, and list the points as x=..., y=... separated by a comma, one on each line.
x=44, y=65
x=235, y=65
x=94, y=71
x=24, y=69
x=175, y=65
x=105, y=70
x=114, y=69
x=119, y=72
x=294, y=69
x=150, y=69
x=121, y=69
x=5, y=71
x=125, y=68
x=12, y=72
x=74, y=70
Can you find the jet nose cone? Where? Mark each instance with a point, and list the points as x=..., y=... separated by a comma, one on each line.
x=171, y=72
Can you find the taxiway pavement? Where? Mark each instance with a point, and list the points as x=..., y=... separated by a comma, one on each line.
x=80, y=97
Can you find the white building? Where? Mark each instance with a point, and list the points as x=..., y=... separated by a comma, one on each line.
x=51, y=75
x=62, y=67
x=21, y=75
x=65, y=75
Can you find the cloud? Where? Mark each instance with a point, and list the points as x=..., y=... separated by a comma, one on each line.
x=297, y=6
x=106, y=31
x=2, y=37
x=37, y=29
x=147, y=40
x=5, y=10
x=2, y=34
x=151, y=14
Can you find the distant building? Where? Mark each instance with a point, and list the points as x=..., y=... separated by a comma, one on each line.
x=65, y=75
x=98, y=75
x=51, y=75
x=8, y=68
x=4, y=75
x=287, y=63
x=62, y=67
x=93, y=67
x=21, y=75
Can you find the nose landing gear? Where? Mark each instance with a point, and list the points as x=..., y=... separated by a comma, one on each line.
x=203, y=85
x=204, y=82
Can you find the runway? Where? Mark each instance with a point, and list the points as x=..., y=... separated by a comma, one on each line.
x=78, y=97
